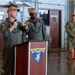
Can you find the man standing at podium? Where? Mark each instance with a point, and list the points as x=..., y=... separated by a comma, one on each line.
x=36, y=27
x=10, y=29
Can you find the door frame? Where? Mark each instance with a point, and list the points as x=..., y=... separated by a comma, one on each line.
x=60, y=25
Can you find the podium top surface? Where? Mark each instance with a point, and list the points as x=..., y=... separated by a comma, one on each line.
x=30, y=41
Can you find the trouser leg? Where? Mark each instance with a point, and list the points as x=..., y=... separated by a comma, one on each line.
x=12, y=68
x=5, y=73
x=7, y=62
x=69, y=53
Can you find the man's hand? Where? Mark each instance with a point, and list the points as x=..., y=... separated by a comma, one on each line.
x=73, y=35
x=13, y=26
x=26, y=25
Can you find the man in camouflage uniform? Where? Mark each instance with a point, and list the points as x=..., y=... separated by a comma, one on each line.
x=37, y=30
x=70, y=29
x=10, y=30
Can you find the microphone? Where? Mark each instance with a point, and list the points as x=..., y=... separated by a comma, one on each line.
x=13, y=21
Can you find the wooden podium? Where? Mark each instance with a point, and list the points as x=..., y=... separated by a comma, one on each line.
x=31, y=58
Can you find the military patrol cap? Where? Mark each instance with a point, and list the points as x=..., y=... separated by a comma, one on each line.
x=31, y=10
x=11, y=8
x=73, y=14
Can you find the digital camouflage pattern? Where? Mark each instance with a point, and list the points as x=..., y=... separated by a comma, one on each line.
x=70, y=29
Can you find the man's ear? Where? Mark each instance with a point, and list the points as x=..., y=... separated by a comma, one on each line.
x=9, y=13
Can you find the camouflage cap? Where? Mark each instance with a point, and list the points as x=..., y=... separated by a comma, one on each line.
x=73, y=14
x=11, y=8
x=31, y=10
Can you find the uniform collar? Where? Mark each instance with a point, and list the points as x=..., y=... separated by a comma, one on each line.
x=9, y=20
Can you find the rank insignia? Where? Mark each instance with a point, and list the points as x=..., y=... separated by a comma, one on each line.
x=37, y=54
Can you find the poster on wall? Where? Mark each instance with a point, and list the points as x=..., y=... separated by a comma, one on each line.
x=44, y=16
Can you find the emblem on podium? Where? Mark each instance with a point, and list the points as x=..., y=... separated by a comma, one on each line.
x=37, y=54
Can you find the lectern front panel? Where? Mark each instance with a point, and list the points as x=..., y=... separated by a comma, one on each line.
x=31, y=58
x=38, y=63
x=21, y=59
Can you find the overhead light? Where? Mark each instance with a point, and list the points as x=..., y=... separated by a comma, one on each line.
x=15, y=4
x=22, y=4
x=8, y=4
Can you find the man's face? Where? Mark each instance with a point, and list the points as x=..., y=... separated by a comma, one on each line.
x=13, y=13
x=73, y=18
x=33, y=15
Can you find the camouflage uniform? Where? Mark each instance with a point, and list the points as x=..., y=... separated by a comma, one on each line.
x=10, y=39
x=36, y=31
x=70, y=29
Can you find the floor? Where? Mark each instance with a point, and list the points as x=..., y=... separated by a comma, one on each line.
x=57, y=63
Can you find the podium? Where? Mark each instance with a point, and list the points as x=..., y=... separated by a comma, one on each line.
x=31, y=58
